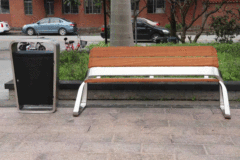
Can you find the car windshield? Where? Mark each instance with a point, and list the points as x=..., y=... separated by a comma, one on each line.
x=65, y=19
x=148, y=19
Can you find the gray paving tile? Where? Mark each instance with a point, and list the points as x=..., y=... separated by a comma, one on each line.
x=173, y=149
x=156, y=116
x=236, y=140
x=195, y=123
x=226, y=150
x=134, y=156
x=190, y=149
x=187, y=111
x=2, y=135
x=8, y=122
x=170, y=130
x=151, y=122
x=158, y=148
x=13, y=137
x=168, y=116
x=235, y=117
x=62, y=119
x=202, y=114
x=101, y=147
x=219, y=131
x=117, y=121
x=216, y=110
x=10, y=155
x=62, y=128
x=93, y=111
x=196, y=157
x=19, y=129
x=142, y=110
x=44, y=137
x=229, y=158
x=13, y=115
x=179, y=117
x=85, y=137
x=109, y=127
x=141, y=138
x=230, y=123
x=165, y=157
x=7, y=110
x=46, y=146
x=235, y=112
x=70, y=155
x=203, y=139
x=9, y=146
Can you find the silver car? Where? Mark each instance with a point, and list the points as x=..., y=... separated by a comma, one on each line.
x=50, y=25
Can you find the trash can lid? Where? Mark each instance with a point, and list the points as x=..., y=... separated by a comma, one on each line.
x=34, y=52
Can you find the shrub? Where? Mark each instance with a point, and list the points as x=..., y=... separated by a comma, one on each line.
x=73, y=65
x=224, y=28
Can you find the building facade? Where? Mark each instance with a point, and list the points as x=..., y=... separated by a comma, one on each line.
x=89, y=15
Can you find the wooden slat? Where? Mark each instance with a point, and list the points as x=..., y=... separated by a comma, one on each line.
x=148, y=62
x=111, y=80
x=153, y=51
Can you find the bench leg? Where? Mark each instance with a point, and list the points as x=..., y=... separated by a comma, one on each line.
x=224, y=103
x=81, y=99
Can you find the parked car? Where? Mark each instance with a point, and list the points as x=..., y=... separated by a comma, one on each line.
x=50, y=25
x=4, y=27
x=146, y=30
x=150, y=21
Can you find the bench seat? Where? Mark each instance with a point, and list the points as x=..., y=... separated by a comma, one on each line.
x=121, y=62
x=137, y=80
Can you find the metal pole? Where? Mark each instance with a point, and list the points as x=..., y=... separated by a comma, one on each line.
x=136, y=31
x=105, y=21
x=135, y=10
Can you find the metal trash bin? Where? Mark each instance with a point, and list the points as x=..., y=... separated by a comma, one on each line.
x=35, y=76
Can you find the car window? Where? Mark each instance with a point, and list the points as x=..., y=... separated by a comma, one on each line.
x=65, y=19
x=54, y=20
x=45, y=20
x=141, y=25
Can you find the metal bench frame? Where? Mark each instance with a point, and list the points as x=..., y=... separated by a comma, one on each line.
x=81, y=99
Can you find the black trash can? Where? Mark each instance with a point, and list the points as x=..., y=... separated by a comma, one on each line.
x=35, y=76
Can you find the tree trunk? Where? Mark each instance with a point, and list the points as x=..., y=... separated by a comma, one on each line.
x=183, y=35
x=173, y=29
x=198, y=35
x=121, y=32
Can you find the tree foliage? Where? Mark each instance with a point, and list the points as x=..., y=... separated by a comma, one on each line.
x=225, y=26
x=183, y=10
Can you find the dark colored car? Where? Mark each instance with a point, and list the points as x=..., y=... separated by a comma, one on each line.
x=145, y=31
x=50, y=25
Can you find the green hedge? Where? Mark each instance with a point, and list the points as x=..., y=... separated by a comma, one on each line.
x=73, y=65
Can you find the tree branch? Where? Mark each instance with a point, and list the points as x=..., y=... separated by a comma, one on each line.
x=195, y=8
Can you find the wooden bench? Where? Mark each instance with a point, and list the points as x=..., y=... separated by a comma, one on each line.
x=152, y=62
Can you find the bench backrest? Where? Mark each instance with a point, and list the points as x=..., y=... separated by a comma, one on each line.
x=153, y=56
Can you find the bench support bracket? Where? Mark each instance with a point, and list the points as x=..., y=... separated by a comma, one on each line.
x=81, y=100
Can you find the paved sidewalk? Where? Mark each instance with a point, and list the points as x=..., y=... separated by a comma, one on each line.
x=121, y=133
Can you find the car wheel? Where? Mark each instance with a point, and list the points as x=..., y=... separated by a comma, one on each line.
x=155, y=36
x=41, y=48
x=30, y=31
x=21, y=48
x=62, y=32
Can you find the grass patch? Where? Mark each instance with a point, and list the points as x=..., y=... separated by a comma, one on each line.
x=74, y=65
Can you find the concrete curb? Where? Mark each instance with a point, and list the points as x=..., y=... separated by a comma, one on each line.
x=133, y=104
x=144, y=91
